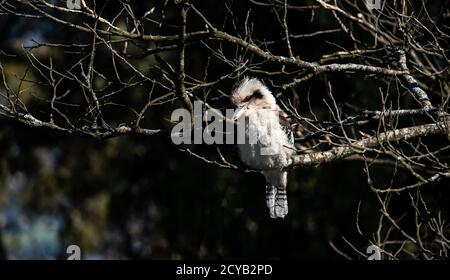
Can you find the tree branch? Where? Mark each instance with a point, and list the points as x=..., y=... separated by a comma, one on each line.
x=361, y=146
x=181, y=89
x=411, y=83
x=31, y=121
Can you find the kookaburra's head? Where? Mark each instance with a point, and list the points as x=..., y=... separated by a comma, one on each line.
x=251, y=93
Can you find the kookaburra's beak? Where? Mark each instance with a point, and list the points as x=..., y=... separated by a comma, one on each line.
x=239, y=112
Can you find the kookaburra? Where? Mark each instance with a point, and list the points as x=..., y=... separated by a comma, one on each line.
x=274, y=145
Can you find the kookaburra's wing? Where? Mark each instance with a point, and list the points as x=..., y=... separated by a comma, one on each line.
x=286, y=126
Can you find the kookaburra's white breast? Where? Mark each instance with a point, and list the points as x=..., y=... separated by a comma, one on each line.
x=268, y=140
x=272, y=149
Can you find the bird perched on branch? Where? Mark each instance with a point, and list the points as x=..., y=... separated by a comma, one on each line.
x=269, y=140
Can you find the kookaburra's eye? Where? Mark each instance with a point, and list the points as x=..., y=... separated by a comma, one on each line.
x=257, y=94
x=248, y=98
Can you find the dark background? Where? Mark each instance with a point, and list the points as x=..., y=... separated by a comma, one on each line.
x=141, y=197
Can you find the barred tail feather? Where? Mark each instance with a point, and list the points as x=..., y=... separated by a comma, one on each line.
x=270, y=200
x=281, y=204
x=276, y=197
